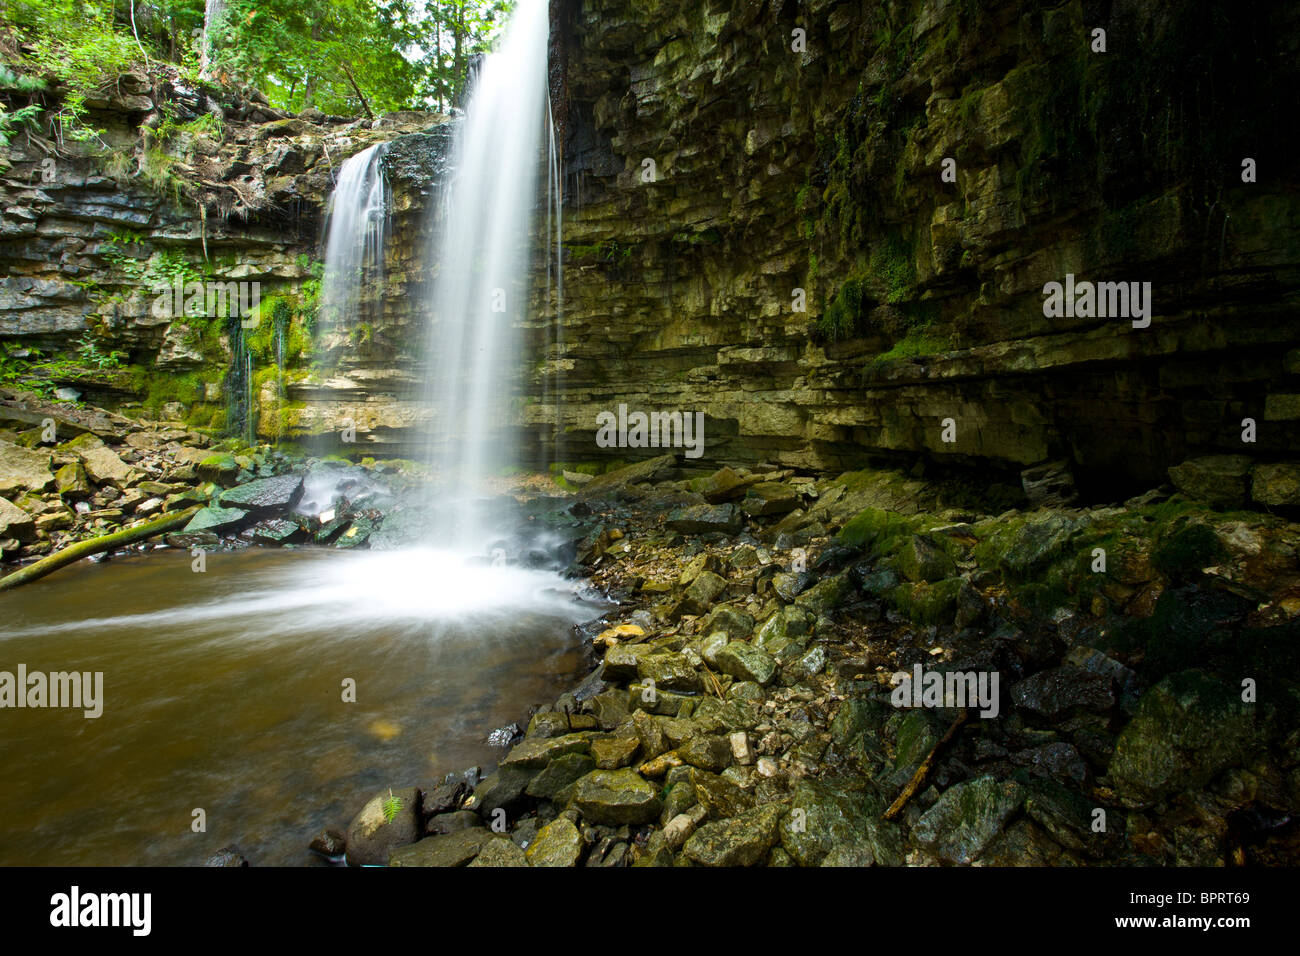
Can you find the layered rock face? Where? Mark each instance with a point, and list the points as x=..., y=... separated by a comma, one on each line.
x=184, y=186
x=827, y=227
x=721, y=157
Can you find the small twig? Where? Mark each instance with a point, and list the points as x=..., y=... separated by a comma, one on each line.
x=923, y=771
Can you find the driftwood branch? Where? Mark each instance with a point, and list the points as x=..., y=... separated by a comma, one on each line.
x=923, y=771
x=105, y=542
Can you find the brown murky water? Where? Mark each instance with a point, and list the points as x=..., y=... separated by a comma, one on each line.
x=223, y=691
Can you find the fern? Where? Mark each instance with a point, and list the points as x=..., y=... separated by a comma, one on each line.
x=392, y=806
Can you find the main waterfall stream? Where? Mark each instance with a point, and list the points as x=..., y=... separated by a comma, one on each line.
x=224, y=691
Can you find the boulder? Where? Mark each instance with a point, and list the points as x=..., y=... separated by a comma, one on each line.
x=745, y=662
x=616, y=797
x=501, y=851
x=967, y=817
x=375, y=832
x=16, y=523
x=559, y=843
x=452, y=849
x=1221, y=481
x=741, y=841
x=1276, y=485
x=265, y=495
x=101, y=463
x=23, y=470
x=1187, y=730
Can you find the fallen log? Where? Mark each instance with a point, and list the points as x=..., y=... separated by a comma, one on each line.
x=105, y=542
x=922, y=771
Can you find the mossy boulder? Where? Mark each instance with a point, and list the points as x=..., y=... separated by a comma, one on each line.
x=967, y=817
x=747, y=663
x=221, y=468
x=559, y=843
x=1187, y=730
x=824, y=816
x=616, y=797
x=745, y=840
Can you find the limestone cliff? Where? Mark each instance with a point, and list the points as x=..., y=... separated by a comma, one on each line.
x=726, y=163
x=820, y=170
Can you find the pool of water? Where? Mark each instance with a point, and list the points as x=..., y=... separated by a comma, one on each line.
x=224, y=691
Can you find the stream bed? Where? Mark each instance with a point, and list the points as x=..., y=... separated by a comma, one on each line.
x=223, y=691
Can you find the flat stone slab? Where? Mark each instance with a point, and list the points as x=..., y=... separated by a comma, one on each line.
x=265, y=494
x=215, y=519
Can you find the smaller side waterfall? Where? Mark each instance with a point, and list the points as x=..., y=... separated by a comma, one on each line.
x=355, y=227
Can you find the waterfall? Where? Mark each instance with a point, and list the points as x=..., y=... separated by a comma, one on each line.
x=355, y=226
x=480, y=291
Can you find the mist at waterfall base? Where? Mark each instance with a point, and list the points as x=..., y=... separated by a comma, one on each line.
x=223, y=690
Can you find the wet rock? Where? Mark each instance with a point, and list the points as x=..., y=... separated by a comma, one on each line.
x=452, y=849
x=501, y=851
x=1022, y=844
x=651, y=470
x=221, y=468
x=823, y=817
x=72, y=483
x=329, y=843
x=373, y=833
x=500, y=790
x=826, y=595
x=719, y=796
x=737, y=625
x=966, y=818
x=444, y=823
x=920, y=559
x=610, y=708
x=22, y=470
x=560, y=773
x=746, y=662
x=265, y=495
x=1058, y=760
x=622, y=660
x=790, y=625
x=1221, y=481
x=215, y=519
x=616, y=797
x=16, y=523
x=536, y=752
x=669, y=671
x=705, y=519
x=707, y=752
x=1187, y=730
x=555, y=723
x=357, y=533
x=1036, y=543
x=770, y=498
x=699, y=596
x=1276, y=485
x=559, y=843
x=276, y=531
x=614, y=752
x=1056, y=691
x=788, y=585
x=1049, y=485
x=723, y=485
x=227, y=856
x=742, y=841
x=101, y=463
x=1067, y=815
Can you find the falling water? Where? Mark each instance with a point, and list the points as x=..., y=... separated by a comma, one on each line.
x=354, y=246
x=480, y=290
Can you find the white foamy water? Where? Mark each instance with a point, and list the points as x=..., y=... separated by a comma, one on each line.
x=343, y=593
x=355, y=228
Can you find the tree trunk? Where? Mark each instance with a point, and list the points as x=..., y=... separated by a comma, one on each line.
x=106, y=542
